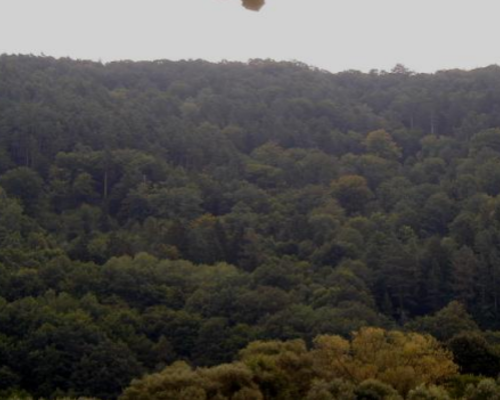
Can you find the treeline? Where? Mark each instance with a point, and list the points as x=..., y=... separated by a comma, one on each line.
x=161, y=211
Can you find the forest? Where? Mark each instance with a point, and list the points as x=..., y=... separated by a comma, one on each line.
x=248, y=231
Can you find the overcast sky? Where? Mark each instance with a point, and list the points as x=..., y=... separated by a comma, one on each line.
x=425, y=35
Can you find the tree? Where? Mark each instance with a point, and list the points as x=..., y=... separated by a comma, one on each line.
x=403, y=360
x=283, y=370
x=204, y=240
x=465, y=272
x=26, y=185
x=447, y=322
x=105, y=371
x=381, y=144
x=474, y=355
x=352, y=192
x=180, y=382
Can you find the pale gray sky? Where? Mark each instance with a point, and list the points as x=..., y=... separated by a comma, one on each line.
x=336, y=35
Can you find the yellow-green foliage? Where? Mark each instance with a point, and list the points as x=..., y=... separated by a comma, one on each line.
x=283, y=370
x=181, y=382
x=428, y=393
x=487, y=389
x=374, y=364
x=402, y=360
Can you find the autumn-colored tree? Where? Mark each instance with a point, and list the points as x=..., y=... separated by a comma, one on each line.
x=381, y=144
x=402, y=360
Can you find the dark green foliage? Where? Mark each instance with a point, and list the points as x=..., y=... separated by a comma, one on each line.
x=162, y=210
x=446, y=323
x=474, y=355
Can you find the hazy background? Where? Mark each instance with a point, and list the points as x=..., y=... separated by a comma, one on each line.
x=425, y=35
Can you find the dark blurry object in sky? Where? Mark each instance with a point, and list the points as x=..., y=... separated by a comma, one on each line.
x=254, y=5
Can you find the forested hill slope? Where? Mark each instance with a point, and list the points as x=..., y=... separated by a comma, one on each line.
x=154, y=211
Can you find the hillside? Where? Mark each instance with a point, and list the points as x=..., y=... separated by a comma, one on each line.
x=160, y=211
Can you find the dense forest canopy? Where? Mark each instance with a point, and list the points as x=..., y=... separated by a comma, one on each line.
x=154, y=212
